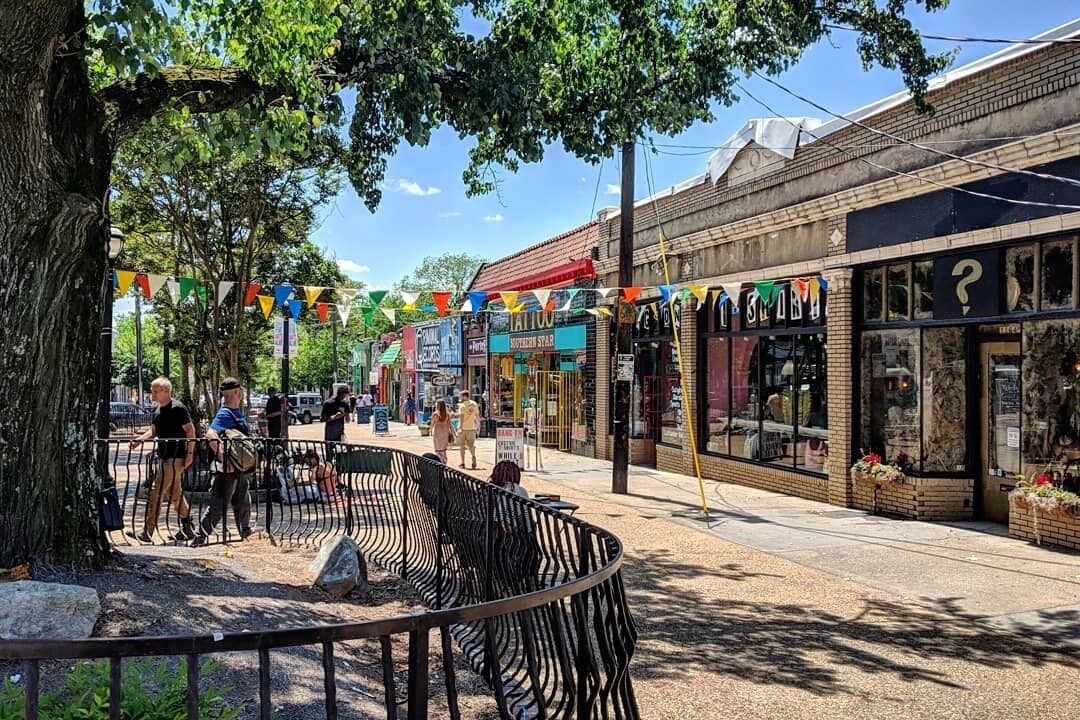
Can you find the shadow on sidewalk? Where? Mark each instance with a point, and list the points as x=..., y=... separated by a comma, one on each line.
x=807, y=648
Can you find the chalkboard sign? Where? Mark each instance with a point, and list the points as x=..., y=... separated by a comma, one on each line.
x=382, y=419
x=1007, y=393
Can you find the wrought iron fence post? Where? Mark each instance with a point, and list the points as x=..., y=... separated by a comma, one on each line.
x=418, y=674
x=439, y=518
x=404, y=521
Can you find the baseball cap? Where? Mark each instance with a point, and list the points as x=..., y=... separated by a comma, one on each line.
x=229, y=383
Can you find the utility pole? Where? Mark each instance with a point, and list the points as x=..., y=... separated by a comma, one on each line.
x=138, y=347
x=623, y=328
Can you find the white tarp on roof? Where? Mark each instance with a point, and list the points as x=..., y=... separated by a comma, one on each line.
x=780, y=135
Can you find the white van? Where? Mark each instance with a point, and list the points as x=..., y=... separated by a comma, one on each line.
x=306, y=405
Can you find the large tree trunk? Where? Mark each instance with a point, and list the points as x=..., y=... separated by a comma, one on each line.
x=55, y=160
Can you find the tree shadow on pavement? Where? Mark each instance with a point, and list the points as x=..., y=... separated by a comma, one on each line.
x=681, y=626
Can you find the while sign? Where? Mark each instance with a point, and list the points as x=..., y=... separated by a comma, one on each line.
x=625, y=369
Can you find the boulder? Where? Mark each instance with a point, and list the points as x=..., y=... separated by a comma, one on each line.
x=339, y=567
x=32, y=610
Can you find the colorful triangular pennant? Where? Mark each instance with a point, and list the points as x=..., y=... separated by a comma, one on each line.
x=323, y=308
x=312, y=293
x=343, y=310
x=186, y=285
x=174, y=290
x=282, y=293
x=124, y=278
x=765, y=291
x=376, y=297
x=223, y=289
x=441, y=299
x=154, y=284
x=665, y=292
x=409, y=298
x=509, y=298
x=630, y=294
x=251, y=289
x=295, y=306
x=701, y=292
x=476, y=300
x=267, y=304
x=390, y=313
x=541, y=297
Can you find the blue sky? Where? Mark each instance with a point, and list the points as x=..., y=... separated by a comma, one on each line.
x=425, y=211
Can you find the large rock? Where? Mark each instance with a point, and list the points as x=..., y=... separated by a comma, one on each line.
x=339, y=567
x=32, y=610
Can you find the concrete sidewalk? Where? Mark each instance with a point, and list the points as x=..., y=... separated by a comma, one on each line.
x=776, y=607
x=972, y=569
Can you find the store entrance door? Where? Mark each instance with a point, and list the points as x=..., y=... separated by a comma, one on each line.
x=999, y=422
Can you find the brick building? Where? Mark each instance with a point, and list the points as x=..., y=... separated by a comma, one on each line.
x=541, y=362
x=921, y=306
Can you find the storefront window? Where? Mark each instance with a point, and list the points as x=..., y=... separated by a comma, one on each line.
x=775, y=409
x=898, y=292
x=717, y=394
x=1051, y=392
x=1020, y=279
x=890, y=394
x=923, y=288
x=944, y=400
x=874, y=282
x=1057, y=275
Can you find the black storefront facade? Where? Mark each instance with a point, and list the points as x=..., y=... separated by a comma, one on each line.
x=968, y=359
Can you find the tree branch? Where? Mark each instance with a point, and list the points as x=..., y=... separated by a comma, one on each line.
x=133, y=102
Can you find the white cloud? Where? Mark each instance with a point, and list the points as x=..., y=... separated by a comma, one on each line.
x=497, y=217
x=351, y=266
x=413, y=188
x=452, y=213
x=613, y=189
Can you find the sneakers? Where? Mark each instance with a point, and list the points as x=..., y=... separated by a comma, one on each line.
x=187, y=531
x=198, y=540
x=463, y=466
x=143, y=536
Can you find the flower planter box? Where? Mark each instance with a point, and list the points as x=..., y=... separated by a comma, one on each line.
x=425, y=430
x=1043, y=523
x=914, y=498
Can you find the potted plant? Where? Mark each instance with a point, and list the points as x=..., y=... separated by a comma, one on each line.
x=1041, y=493
x=425, y=428
x=869, y=468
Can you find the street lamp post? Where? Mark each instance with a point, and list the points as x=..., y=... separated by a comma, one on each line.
x=116, y=245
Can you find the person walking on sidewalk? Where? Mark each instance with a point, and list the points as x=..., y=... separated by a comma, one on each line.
x=231, y=483
x=172, y=426
x=468, y=425
x=442, y=432
x=335, y=412
x=409, y=409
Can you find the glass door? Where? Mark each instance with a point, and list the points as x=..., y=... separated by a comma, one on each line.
x=999, y=418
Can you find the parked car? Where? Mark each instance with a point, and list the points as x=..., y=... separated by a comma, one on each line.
x=307, y=406
x=128, y=417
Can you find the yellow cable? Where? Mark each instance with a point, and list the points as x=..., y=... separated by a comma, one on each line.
x=682, y=383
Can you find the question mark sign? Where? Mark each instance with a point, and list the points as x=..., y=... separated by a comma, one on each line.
x=971, y=271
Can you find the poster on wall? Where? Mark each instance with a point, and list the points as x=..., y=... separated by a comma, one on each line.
x=967, y=285
x=510, y=445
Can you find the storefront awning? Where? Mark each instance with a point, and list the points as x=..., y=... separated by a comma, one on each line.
x=391, y=354
x=561, y=275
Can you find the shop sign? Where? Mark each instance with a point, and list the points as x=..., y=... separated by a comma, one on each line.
x=443, y=380
x=581, y=359
x=510, y=445
x=966, y=285
x=525, y=322
x=477, y=347
x=450, y=342
x=427, y=347
x=534, y=341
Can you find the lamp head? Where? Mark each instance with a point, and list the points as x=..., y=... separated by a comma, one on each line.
x=116, y=242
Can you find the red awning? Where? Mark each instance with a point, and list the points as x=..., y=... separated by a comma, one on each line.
x=562, y=275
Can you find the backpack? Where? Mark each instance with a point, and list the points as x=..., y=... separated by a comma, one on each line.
x=240, y=450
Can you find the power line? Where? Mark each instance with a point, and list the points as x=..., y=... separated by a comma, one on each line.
x=954, y=141
x=969, y=39
x=879, y=166
x=920, y=146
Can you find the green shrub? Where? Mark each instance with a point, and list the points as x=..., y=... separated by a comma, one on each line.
x=149, y=690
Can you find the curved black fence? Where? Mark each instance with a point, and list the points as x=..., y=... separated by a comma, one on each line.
x=532, y=599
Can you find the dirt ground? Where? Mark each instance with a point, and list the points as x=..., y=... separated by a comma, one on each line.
x=252, y=586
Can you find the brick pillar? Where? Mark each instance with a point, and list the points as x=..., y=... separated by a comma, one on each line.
x=688, y=343
x=603, y=388
x=841, y=403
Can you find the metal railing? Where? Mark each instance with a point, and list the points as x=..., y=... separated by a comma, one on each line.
x=533, y=599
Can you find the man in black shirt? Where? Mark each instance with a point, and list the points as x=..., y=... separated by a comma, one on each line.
x=274, y=414
x=335, y=412
x=173, y=428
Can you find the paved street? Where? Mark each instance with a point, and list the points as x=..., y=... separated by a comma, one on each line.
x=780, y=607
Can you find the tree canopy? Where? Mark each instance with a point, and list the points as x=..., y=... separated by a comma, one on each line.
x=516, y=75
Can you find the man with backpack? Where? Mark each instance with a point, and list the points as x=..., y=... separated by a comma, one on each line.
x=229, y=435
